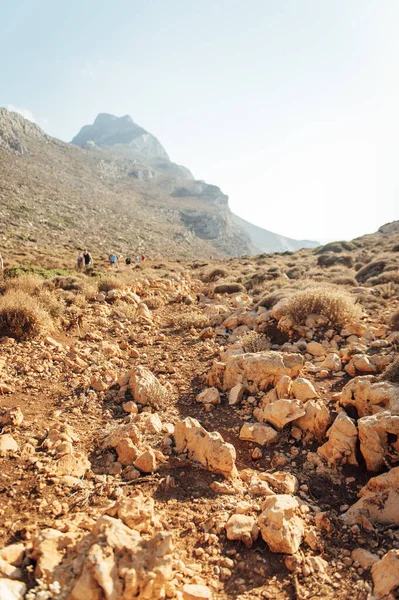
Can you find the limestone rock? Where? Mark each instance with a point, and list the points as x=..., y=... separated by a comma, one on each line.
x=283, y=387
x=315, y=421
x=193, y=591
x=137, y=512
x=341, y=445
x=385, y=574
x=147, y=462
x=281, y=481
x=258, y=433
x=13, y=554
x=369, y=397
x=365, y=558
x=259, y=370
x=303, y=389
x=374, y=432
x=148, y=422
x=243, y=528
x=209, y=396
x=11, y=416
x=281, y=524
x=75, y=465
x=127, y=452
x=316, y=349
x=281, y=412
x=7, y=444
x=378, y=503
x=207, y=448
x=9, y=571
x=47, y=551
x=12, y=590
x=332, y=362
x=236, y=394
x=145, y=387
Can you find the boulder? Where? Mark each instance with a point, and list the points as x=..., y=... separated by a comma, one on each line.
x=146, y=462
x=145, y=387
x=315, y=421
x=374, y=435
x=148, y=423
x=209, y=396
x=281, y=481
x=365, y=558
x=11, y=416
x=378, y=503
x=127, y=452
x=341, y=445
x=46, y=550
x=281, y=412
x=385, y=574
x=370, y=397
x=257, y=371
x=283, y=387
x=207, y=448
x=75, y=465
x=281, y=524
x=332, y=362
x=13, y=554
x=258, y=433
x=243, y=528
x=316, y=349
x=303, y=389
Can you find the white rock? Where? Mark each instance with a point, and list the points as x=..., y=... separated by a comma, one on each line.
x=258, y=433
x=12, y=590
x=385, y=574
x=209, y=396
x=341, y=445
x=243, y=528
x=303, y=389
x=315, y=421
x=281, y=412
x=281, y=524
x=8, y=444
x=365, y=558
x=236, y=394
x=193, y=591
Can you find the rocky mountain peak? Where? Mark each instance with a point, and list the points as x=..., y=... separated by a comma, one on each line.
x=14, y=129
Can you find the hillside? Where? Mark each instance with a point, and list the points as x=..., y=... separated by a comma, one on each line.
x=117, y=192
x=223, y=430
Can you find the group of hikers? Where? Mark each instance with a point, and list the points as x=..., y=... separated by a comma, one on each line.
x=84, y=260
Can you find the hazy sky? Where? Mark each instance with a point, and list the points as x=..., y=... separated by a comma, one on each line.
x=290, y=106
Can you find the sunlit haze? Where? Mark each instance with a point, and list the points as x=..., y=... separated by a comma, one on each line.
x=290, y=106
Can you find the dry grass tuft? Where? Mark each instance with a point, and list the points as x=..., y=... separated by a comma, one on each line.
x=391, y=373
x=254, y=342
x=214, y=274
x=110, y=282
x=344, y=280
x=26, y=283
x=334, y=303
x=22, y=317
x=153, y=302
x=191, y=319
x=229, y=288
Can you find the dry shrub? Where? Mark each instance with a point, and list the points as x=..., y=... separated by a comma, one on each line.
x=334, y=303
x=26, y=283
x=22, y=317
x=370, y=301
x=373, y=269
x=191, y=319
x=71, y=298
x=153, y=302
x=214, y=274
x=328, y=260
x=344, y=280
x=270, y=299
x=54, y=305
x=335, y=247
x=394, y=321
x=391, y=373
x=395, y=248
x=390, y=276
x=110, y=282
x=228, y=288
x=254, y=342
x=128, y=311
x=387, y=290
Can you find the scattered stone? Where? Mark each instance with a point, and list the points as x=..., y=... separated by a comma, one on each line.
x=196, y=592
x=243, y=528
x=281, y=412
x=11, y=416
x=341, y=445
x=12, y=590
x=7, y=444
x=236, y=394
x=303, y=389
x=147, y=462
x=365, y=558
x=315, y=421
x=145, y=387
x=209, y=396
x=281, y=524
x=385, y=574
x=375, y=433
x=258, y=433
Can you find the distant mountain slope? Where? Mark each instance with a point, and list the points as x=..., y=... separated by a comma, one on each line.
x=263, y=240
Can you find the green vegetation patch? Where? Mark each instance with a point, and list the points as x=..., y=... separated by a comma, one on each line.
x=18, y=270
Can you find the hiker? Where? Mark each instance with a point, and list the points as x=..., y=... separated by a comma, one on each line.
x=113, y=259
x=128, y=260
x=87, y=259
x=79, y=261
x=136, y=259
x=1, y=264
x=142, y=257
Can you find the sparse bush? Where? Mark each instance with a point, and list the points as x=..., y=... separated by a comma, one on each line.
x=27, y=283
x=214, y=274
x=70, y=298
x=22, y=317
x=371, y=270
x=387, y=290
x=254, y=342
x=328, y=260
x=370, y=301
x=345, y=281
x=336, y=247
x=394, y=321
x=128, y=311
x=270, y=299
x=110, y=282
x=395, y=248
x=54, y=305
x=333, y=303
x=228, y=288
x=19, y=270
x=191, y=319
x=153, y=302
x=391, y=373
x=385, y=277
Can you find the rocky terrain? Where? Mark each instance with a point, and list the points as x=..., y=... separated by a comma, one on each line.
x=208, y=430
x=113, y=189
